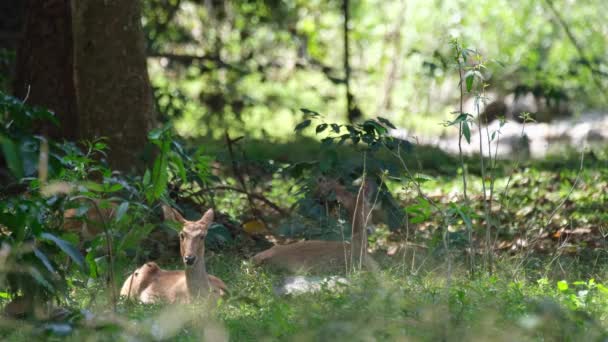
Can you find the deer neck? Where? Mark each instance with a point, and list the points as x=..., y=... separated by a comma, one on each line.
x=197, y=279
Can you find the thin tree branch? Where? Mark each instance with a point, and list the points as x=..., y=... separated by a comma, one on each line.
x=254, y=196
x=577, y=46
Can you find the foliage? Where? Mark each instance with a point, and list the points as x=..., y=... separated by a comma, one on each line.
x=391, y=304
x=247, y=66
x=46, y=179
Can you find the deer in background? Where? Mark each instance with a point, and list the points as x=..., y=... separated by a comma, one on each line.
x=319, y=254
x=151, y=284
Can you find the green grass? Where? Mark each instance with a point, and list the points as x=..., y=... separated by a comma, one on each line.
x=534, y=294
x=389, y=305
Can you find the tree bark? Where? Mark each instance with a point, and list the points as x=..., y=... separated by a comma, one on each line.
x=43, y=72
x=86, y=61
x=113, y=92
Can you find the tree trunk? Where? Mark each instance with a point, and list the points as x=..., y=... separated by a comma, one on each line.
x=12, y=16
x=113, y=92
x=44, y=73
x=86, y=61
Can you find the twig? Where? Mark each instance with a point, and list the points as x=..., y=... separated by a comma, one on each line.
x=488, y=257
x=559, y=206
x=27, y=94
x=106, y=230
x=460, y=154
x=239, y=176
x=254, y=196
x=577, y=46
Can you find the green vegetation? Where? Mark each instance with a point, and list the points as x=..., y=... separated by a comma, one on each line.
x=248, y=66
x=269, y=112
x=542, y=285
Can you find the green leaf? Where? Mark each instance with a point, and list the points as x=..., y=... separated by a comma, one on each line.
x=146, y=179
x=469, y=78
x=94, y=186
x=155, y=134
x=67, y=248
x=465, y=218
x=562, y=285
x=422, y=179
x=45, y=260
x=302, y=125
x=160, y=177
x=327, y=141
x=178, y=163
x=466, y=131
x=160, y=172
x=120, y=212
x=309, y=112
x=113, y=187
x=11, y=155
x=603, y=289
x=90, y=258
x=376, y=126
x=386, y=122
x=321, y=128
x=462, y=117
x=134, y=236
x=40, y=278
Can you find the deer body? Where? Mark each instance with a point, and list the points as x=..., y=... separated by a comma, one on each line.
x=327, y=255
x=151, y=284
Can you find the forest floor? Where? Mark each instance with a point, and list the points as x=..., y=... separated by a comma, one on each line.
x=398, y=302
x=542, y=280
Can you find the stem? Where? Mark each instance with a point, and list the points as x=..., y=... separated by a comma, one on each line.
x=488, y=259
x=239, y=176
x=111, y=277
x=462, y=165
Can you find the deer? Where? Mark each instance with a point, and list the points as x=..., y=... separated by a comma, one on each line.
x=151, y=284
x=324, y=255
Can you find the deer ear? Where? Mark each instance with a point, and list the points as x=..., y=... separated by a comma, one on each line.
x=207, y=218
x=171, y=214
x=153, y=267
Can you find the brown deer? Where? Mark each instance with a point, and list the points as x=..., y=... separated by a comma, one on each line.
x=328, y=255
x=151, y=284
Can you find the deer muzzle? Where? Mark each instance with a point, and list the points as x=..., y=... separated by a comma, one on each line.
x=189, y=260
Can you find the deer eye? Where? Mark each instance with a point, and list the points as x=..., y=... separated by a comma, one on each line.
x=203, y=236
x=136, y=274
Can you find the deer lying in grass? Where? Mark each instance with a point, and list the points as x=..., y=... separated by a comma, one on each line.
x=328, y=255
x=151, y=284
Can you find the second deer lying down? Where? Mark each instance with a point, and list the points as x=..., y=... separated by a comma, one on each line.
x=328, y=255
x=151, y=284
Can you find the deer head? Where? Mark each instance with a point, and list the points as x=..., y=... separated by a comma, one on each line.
x=192, y=238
